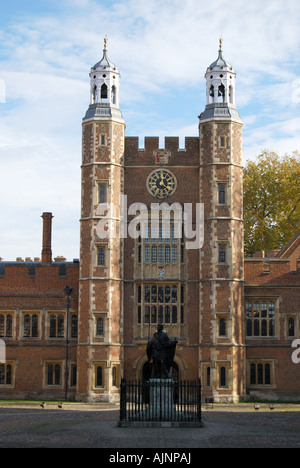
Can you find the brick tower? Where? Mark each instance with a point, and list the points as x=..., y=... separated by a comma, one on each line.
x=221, y=259
x=100, y=303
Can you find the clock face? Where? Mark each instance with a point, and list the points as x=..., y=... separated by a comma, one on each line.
x=161, y=183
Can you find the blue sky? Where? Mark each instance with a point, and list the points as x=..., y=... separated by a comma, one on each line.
x=162, y=50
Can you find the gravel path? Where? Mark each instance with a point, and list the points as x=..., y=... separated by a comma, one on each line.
x=97, y=428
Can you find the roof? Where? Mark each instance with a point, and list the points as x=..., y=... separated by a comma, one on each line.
x=104, y=63
x=289, y=248
x=220, y=62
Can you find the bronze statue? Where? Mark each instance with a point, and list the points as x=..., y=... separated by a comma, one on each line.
x=160, y=353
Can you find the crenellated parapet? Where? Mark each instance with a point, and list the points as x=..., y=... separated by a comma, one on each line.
x=152, y=153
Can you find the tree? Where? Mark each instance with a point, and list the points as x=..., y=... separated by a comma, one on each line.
x=271, y=201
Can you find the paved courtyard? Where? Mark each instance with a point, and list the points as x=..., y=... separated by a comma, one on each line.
x=75, y=426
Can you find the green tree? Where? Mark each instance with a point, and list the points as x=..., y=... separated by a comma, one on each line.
x=271, y=201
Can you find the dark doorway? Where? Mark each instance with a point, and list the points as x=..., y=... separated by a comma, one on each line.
x=146, y=375
x=146, y=372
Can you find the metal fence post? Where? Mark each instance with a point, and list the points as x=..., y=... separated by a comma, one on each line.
x=123, y=401
x=199, y=410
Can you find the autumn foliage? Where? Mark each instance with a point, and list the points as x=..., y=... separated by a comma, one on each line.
x=271, y=201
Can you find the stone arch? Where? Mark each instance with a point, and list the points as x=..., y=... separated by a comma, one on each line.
x=142, y=370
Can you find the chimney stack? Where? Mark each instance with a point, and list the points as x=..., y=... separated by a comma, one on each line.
x=47, y=237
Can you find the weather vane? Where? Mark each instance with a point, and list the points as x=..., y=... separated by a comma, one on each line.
x=221, y=44
x=105, y=42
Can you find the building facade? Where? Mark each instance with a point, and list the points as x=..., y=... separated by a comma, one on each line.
x=161, y=240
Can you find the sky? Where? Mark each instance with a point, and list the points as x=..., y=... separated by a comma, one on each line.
x=162, y=49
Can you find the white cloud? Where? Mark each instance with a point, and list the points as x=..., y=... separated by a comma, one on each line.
x=158, y=46
x=281, y=137
x=2, y=92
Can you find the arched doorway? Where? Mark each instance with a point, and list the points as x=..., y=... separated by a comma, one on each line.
x=146, y=372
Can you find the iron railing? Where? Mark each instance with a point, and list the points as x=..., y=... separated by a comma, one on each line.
x=160, y=400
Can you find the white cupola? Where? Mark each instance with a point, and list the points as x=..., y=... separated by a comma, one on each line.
x=220, y=88
x=104, y=89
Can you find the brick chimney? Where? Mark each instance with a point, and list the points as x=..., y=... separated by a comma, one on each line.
x=47, y=237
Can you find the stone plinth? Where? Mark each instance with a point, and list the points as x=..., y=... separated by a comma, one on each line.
x=161, y=405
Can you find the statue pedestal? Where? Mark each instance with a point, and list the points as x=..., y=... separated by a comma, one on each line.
x=161, y=405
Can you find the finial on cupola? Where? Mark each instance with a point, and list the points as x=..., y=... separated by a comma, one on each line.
x=221, y=44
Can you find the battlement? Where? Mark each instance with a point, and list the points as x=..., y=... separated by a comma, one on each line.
x=134, y=153
x=32, y=268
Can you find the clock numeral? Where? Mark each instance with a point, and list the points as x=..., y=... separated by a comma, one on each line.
x=161, y=184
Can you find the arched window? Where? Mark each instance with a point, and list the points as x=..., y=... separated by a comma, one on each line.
x=223, y=377
x=26, y=326
x=267, y=374
x=60, y=327
x=50, y=375
x=95, y=91
x=167, y=254
x=2, y=325
x=57, y=374
x=154, y=253
x=114, y=376
x=260, y=374
x=5, y=374
x=208, y=376
x=8, y=374
x=264, y=328
x=249, y=327
x=9, y=326
x=174, y=314
x=31, y=326
x=256, y=327
x=221, y=93
x=104, y=95
x=74, y=326
x=56, y=326
x=160, y=314
x=211, y=94
x=52, y=326
x=222, y=327
x=53, y=374
x=291, y=327
x=99, y=377
x=253, y=374
x=5, y=326
x=34, y=326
